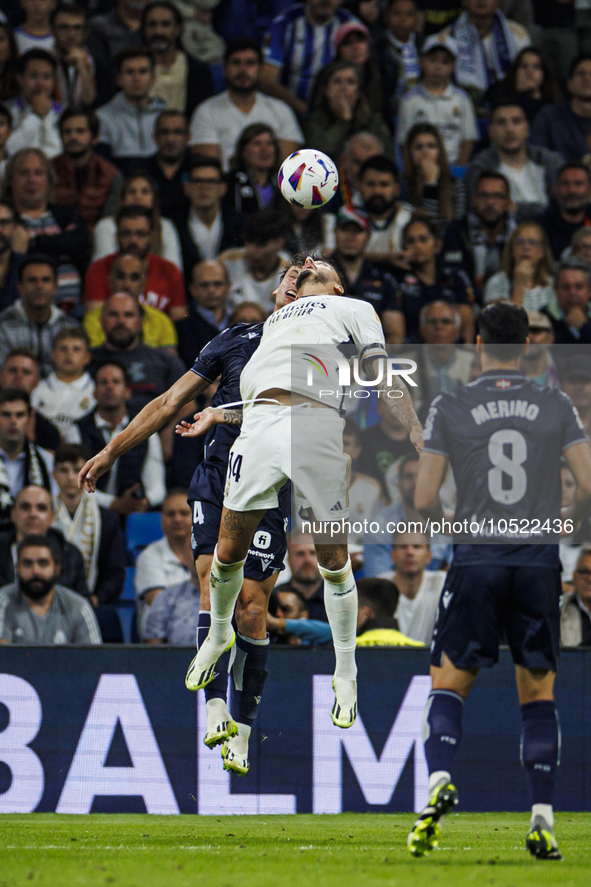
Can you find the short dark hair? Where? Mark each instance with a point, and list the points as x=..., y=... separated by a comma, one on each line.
x=4, y=112
x=573, y=263
x=90, y=115
x=583, y=57
x=502, y=325
x=201, y=161
x=351, y=429
x=575, y=164
x=71, y=332
x=37, y=259
x=493, y=174
x=410, y=457
x=241, y=44
x=35, y=55
x=170, y=112
x=113, y=363
x=420, y=217
x=507, y=102
x=381, y=594
x=135, y=211
x=36, y=540
x=133, y=52
x=21, y=351
x=154, y=4
x=68, y=7
x=265, y=225
x=379, y=163
x=71, y=453
x=12, y=395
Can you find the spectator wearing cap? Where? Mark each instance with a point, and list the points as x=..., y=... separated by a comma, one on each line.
x=576, y=382
x=353, y=44
x=366, y=280
x=487, y=44
x=568, y=310
x=437, y=101
x=570, y=207
x=397, y=53
x=538, y=363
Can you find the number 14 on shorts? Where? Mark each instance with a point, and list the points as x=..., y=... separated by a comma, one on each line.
x=234, y=469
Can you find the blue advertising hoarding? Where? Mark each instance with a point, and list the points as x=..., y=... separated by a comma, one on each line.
x=115, y=730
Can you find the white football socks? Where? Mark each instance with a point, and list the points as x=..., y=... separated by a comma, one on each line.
x=225, y=582
x=544, y=810
x=340, y=600
x=438, y=777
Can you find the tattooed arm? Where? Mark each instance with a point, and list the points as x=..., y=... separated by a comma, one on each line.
x=206, y=419
x=400, y=404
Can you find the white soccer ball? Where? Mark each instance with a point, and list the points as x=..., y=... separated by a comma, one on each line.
x=308, y=178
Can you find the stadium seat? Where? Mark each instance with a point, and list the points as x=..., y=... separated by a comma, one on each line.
x=128, y=593
x=141, y=530
x=458, y=171
x=218, y=79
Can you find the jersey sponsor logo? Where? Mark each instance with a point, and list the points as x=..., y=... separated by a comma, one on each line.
x=261, y=539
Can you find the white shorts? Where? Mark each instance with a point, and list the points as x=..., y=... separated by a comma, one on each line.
x=303, y=444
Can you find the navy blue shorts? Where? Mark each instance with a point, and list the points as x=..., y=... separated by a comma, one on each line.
x=269, y=544
x=482, y=606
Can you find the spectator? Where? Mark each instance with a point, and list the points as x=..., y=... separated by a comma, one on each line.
x=5, y=131
x=110, y=33
x=365, y=492
x=209, y=314
x=419, y=588
x=68, y=392
x=217, y=123
x=139, y=189
x=376, y=627
x=570, y=207
x=20, y=371
x=396, y=51
x=530, y=80
x=288, y=73
x=305, y=577
x=35, y=31
x=340, y=110
x=353, y=44
x=152, y=370
x=557, y=34
x=380, y=189
x=292, y=623
x=33, y=512
x=487, y=44
x=35, y=114
x=167, y=561
x=565, y=127
x=475, y=243
x=247, y=312
x=56, y=231
x=528, y=267
x=172, y=618
x=382, y=445
x=580, y=245
x=575, y=614
x=366, y=280
x=171, y=162
x=442, y=365
x=531, y=171
x=95, y=531
x=21, y=462
x=84, y=179
x=127, y=277
x=8, y=63
x=199, y=37
x=428, y=183
x=180, y=79
x=75, y=66
x=127, y=121
x=576, y=382
x=33, y=321
x=207, y=226
x=252, y=180
x=38, y=610
x=437, y=100
x=568, y=310
x=165, y=288
x=255, y=268
x=136, y=480
x=10, y=258
x=428, y=280
x=538, y=363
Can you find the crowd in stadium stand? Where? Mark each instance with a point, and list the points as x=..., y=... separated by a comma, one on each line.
x=140, y=216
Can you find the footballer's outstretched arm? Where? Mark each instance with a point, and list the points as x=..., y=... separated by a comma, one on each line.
x=204, y=420
x=151, y=419
x=401, y=406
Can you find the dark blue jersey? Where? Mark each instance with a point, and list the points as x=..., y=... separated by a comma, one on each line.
x=504, y=436
x=225, y=356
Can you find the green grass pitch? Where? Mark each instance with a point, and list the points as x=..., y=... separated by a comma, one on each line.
x=350, y=850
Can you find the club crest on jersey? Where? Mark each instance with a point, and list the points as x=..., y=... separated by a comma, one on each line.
x=502, y=383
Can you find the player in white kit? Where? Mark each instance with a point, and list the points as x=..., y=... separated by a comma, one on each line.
x=278, y=400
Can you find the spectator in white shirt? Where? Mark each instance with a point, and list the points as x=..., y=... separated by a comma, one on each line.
x=419, y=588
x=35, y=31
x=68, y=393
x=168, y=560
x=218, y=122
x=35, y=115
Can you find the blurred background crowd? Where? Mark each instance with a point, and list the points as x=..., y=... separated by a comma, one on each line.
x=140, y=216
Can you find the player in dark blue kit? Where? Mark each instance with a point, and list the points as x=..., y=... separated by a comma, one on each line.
x=225, y=356
x=504, y=437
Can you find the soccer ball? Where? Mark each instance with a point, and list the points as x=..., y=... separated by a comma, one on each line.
x=308, y=178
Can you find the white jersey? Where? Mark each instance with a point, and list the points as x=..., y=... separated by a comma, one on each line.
x=299, y=348
x=417, y=617
x=64, y=402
